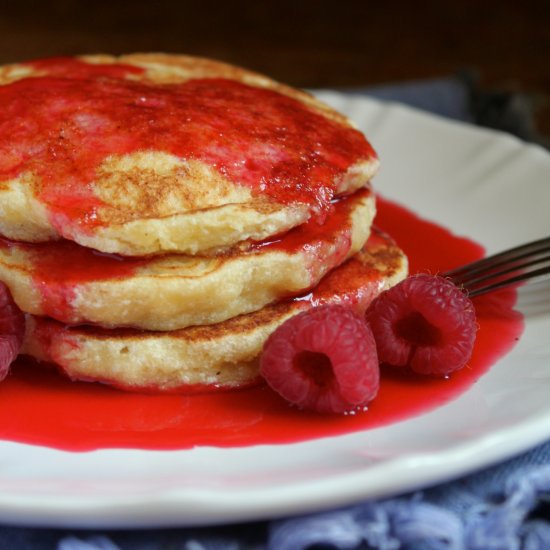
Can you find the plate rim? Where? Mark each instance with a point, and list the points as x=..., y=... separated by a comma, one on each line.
x=466, y=456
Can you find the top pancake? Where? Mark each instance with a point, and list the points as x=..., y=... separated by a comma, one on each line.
x=151, y=153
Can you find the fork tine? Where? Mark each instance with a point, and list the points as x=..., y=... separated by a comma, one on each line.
x=499, y=270
x=532, y=249
x=536, y=275
x=530, y=261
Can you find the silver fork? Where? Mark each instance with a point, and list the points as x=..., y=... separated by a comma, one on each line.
x=528, y=262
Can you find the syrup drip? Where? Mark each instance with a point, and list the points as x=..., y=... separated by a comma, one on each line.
x=59, y=267
x=38, y=406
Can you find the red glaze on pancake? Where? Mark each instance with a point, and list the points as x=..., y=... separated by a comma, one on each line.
x=212, y=357
x=76, y=285
x=61, y=125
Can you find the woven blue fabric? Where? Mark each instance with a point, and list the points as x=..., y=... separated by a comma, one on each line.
x=505, y=507
x=448, y=97
x=500, y=508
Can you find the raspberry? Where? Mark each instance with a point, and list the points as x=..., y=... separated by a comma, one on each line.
x=426, y=323
x=323, y=359
x=12, y=330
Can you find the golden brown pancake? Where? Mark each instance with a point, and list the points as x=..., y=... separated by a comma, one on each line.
x=224, y=355
x=152, y=153
x=76, y=285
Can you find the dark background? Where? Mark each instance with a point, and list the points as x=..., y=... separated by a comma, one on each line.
x=504, y=46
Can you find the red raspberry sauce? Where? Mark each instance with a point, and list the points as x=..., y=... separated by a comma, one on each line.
x=40, y=407
x=58, y=268
x=63, y=124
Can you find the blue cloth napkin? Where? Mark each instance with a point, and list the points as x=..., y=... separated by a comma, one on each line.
x=505, y=507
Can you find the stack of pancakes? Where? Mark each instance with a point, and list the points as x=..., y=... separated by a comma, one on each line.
x=163, y=215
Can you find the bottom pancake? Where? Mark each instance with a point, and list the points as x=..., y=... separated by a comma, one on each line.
x=201, y=358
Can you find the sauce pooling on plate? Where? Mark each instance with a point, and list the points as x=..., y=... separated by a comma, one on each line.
x=39, y=406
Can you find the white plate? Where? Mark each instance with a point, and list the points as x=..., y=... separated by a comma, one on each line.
x=477, y=183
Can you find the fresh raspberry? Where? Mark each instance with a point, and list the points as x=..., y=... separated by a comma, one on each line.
x=323, y=359
x=424, y=322
x=12, y=330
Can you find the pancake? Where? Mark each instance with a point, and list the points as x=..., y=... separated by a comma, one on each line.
x=149, y=153
x=76, y=285
x=220, y=356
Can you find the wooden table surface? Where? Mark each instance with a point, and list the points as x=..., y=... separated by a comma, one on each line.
x=307, y=43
